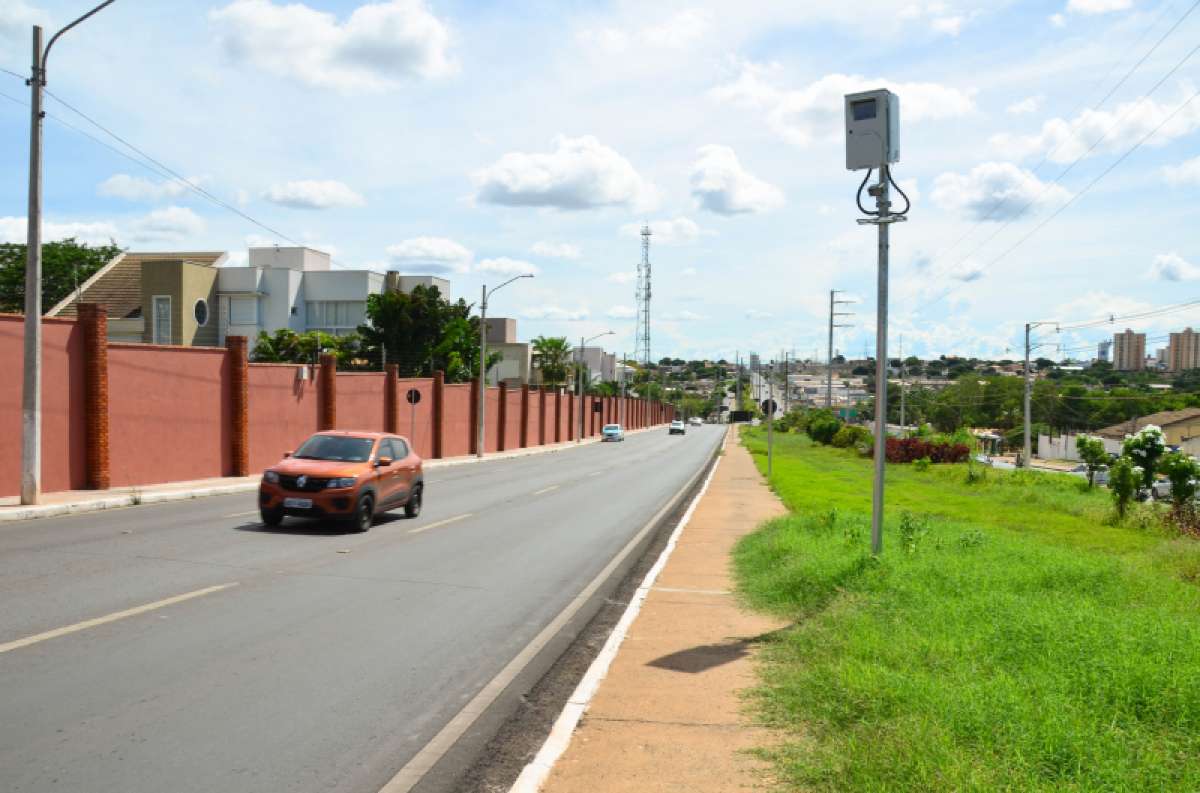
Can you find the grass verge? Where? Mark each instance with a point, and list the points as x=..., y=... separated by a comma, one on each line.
x=1008, y=638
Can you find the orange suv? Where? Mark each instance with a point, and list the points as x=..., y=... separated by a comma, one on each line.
x=349, y=476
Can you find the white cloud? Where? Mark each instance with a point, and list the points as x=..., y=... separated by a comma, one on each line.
x=679, y=31
x=1173, y=267
x=688, y=272
x=1058, y=20
x=135, y=188
x=667, y=231
x=13, y=229
x=581, y=173
x=755, y=314
x=951, y=25
x=622, y=312
x=1030, y=104
x=1119, y=129
x=623, y=277
x=1098, y=6
x=503, y=265
x=16, y=20
x=1186, y=173
x=967, y=270
x=430, y=254
x=720, y=184
x=313, y=194
x=379, y=45
x=556, y=313
x=815, y=112
x=995, y=191
x=556, y=250
x=684, y=316
x=169, y=224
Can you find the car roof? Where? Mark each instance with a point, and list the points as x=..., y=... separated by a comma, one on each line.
x=357, y=434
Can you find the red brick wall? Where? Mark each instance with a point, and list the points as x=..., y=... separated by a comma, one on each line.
x=512, y=425
x=457, y=420
x=422, y=416
x=282, y=411
x=360, y=401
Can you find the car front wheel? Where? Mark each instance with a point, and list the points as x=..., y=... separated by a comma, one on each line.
x=364, y=514
x=413, y=507
x=271, y=517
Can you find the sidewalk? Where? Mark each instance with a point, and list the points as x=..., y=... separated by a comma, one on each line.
x=70, y=502
x=668, y=716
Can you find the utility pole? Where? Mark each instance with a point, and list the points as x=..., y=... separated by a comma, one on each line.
x=580, y=390
x=833, y=315
x=31, y=383
x=770, y=411
x=1027, y=448
x=903, y=428
x=480, y=411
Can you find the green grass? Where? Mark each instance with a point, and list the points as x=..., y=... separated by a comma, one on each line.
x=1007, y=639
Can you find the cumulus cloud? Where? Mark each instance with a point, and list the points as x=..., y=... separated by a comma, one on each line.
x=581, y=173
x=622, y=312
x=1030, y=104
x=1066, y=140
x=430, y=254
x=16, y=19
x=966, y=271
x=754, y=313
x=1098, y=6
x=14, y=229
x=951, y=25
x=314, y=194
x=720, y=184
x=684, y=316
x=814, y=113
x=1186, y=173
x=1173, y=267
x=667, y=231
x=995, y=191
x=378, y=46
x=135, y=188
x=502, y=265
x=169, y=224
x=1058, y=20
x=556, y=250
x=623, y=277
x=679, y=31
x=556, y=313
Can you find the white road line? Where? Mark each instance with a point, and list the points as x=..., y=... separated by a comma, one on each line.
x=545, y=490
x=597, y=473
x=241, y=514
x=119, y=615
x=408, y=776
x=438, y=523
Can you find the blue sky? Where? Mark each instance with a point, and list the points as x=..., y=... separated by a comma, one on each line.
x=481, y=139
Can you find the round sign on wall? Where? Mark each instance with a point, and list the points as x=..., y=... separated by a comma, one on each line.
x=413, y=396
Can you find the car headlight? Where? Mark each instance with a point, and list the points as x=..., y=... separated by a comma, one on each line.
x=345, y=481
x=271, y=476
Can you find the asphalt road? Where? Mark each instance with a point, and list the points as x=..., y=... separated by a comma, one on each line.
x=327, y=660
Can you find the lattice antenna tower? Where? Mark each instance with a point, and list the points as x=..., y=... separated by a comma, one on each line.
x=642, y=344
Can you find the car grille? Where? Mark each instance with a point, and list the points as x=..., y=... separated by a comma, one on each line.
x=311, y=484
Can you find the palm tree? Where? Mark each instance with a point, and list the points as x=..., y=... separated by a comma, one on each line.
x=552, y=356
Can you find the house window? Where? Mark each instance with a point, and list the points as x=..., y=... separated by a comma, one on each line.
x=243, y=311
x=162, y=319
x=337, y=317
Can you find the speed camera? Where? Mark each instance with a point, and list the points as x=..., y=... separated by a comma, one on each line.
x=872, y=129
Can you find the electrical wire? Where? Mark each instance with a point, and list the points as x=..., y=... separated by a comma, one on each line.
x=858, y=195
x=22, y=78
x=907, y=203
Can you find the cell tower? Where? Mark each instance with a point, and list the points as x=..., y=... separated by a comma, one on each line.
x=642, y=345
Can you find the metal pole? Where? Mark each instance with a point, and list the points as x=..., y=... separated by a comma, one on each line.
x=31, y=386
x=883, y=205
x=579, y=391
x=480, y=412
x=1027, y=448
x=829, y=373
x=903, y=427
x=770, y=425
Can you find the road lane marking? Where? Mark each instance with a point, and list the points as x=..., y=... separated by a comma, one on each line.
x=597, y=473
x=240, y=514
x=436, y=524
x=119, y=615
x=545, y=490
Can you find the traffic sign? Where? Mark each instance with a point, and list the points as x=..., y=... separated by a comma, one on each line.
x=413, y=396
x=770, y=407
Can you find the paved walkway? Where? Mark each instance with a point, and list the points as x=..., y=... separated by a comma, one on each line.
x=668, y=716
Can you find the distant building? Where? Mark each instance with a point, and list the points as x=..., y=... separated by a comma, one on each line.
x=755, y=362
x=516, y=360
x=1104, y=351
x=1129, y=351
x=1183, y=351
x=1178, y=426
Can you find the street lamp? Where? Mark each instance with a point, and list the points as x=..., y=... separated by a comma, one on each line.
x=582, y=342
x=31, y=389
x=481, y=414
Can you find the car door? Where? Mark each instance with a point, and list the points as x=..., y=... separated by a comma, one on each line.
x=406, y=468
x=389, y=476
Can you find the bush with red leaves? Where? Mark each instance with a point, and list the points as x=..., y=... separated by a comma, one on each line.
x=908, y=450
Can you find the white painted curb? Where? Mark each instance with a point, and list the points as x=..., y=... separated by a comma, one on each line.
x=535, y=773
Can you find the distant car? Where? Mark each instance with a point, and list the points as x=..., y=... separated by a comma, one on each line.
x=1161, y=489
x=677, y=428
x=696, y=421
x=612, y=432
x=349, y=476
x=1099, y=478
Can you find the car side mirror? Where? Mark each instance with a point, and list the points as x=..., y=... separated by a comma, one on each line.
x=383, y=462
x=288, y=454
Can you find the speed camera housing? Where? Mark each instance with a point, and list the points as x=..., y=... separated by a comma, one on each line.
x=872, y=129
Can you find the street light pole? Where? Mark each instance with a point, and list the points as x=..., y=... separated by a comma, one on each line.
x=1027, y=448
x=481, y=413
x=31, y=384
x=582, y=342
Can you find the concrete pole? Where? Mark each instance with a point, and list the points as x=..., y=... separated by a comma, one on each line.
x=829, y=372
x=770, y=426
x=902, y=425
x=31, y=386
x=1027, y=448
x=480, y=412
x=883, y=204
x=579, y=391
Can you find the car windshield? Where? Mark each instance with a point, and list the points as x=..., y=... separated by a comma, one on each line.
x=336, y=447
x=612, y=427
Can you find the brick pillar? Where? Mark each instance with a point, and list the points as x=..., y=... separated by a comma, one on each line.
x=572, y=418
x=502, y=417
x=239, y=392
x=541, y=436
x=438, y=413
x=591, y=409
x=94, y=320
x=524, y=416
x=391, y=388
x=473, y=423
x=557, y=416
x=328, y=393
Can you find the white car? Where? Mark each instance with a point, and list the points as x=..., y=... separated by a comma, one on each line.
x=612, y=432
x=677, y=428
x=696, y=421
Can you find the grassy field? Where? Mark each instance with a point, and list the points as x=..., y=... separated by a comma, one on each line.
x=1008, y=638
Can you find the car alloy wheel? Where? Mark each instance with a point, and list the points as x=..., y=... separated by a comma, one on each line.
x=364, y=514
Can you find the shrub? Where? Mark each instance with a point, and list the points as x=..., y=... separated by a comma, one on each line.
x=822, y=426
x=850, y=435
x=908, y=450
x=1123, y=478
x=1091, y=451
x=922, y=464
x=1144, y=449
x=1183, y=473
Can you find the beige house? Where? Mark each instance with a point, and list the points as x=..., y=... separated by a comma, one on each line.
x=1178, y=426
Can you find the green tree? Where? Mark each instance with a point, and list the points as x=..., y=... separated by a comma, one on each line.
x=1145, y=448
x=1123, y=480
x=1183, y=472
x=412, y=328
x=64, y=265
x=457, y=352
x=288, y=346
x=552, y=358
x=1091, y=451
